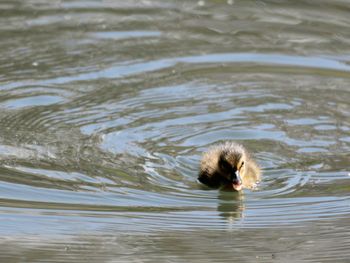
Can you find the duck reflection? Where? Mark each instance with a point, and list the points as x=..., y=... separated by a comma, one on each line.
x=231, y=205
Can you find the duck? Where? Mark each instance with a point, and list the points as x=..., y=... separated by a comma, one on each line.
x=229, y=166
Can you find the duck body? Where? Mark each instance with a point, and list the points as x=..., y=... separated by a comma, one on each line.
x=228, y=166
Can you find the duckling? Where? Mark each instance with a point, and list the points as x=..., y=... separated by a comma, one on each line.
x=229, y=166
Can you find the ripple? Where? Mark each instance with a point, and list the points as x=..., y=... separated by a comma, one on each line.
x=30, y=102
x=107, y=108
x=116, y=35
x=149, y=66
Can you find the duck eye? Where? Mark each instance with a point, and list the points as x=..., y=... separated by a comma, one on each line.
x=242, y=164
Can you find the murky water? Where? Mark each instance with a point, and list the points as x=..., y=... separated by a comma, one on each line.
x=106, y=107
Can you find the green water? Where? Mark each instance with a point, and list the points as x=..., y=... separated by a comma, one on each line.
x=107, y=106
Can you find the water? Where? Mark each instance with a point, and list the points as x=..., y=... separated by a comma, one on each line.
x=107, y=106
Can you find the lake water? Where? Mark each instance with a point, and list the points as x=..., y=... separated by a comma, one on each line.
x=107, y=106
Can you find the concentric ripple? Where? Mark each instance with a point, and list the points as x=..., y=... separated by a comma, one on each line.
x=106, y=108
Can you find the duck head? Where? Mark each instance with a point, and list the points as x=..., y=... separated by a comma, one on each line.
x=231, y=168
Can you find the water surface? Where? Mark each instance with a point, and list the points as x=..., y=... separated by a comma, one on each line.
x=106, y=108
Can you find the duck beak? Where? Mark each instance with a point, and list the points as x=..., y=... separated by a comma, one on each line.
x=238, y=177
x=236, y=181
